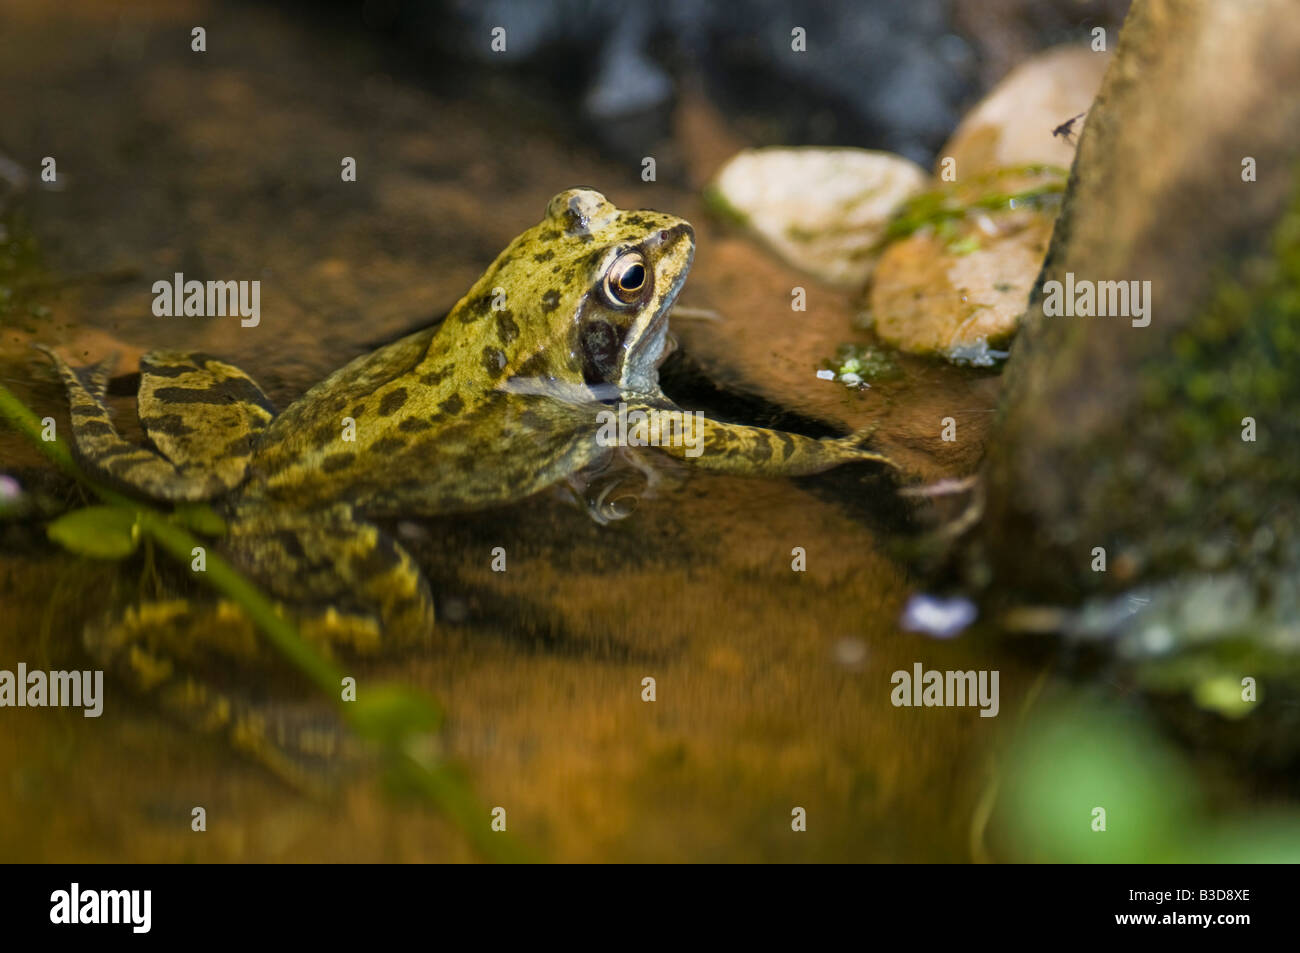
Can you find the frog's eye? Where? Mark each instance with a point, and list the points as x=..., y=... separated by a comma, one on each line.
x=626, y=279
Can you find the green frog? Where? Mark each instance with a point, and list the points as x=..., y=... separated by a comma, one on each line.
x=499, y=401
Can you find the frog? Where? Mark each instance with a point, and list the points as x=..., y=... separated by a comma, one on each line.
x=494, y=404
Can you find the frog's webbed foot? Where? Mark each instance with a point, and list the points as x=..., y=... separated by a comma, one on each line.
x=853, y=447
x=202, y=415
x=349, y=589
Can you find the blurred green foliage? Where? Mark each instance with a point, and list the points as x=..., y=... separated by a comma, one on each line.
x=1075, y=757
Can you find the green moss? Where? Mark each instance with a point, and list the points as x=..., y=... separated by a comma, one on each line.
x=1209, y=521
x=1238, y=359
x=943, y=207
x=717, y=205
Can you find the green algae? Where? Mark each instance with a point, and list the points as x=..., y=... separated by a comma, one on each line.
x=943, y=208
x=854, y=364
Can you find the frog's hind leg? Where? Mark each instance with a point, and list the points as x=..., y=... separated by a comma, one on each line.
x=202, y=416
x=201, y=413
x=351, y=591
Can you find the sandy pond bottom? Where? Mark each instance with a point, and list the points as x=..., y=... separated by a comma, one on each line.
x=773, y=692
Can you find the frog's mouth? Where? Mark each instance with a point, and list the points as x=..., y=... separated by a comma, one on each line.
x=641, y=367
x=646, y=339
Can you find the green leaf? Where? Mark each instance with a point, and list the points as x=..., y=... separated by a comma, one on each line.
x=199, y=517
x=101, y=532
x=391, y=713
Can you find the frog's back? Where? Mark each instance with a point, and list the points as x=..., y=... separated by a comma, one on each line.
x=324, y=431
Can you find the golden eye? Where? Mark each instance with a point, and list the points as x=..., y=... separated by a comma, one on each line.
x=626, y=279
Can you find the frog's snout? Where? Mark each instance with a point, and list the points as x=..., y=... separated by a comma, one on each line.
x=677, y=233
x=677, y=237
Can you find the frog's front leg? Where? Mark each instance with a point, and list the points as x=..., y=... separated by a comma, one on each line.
x=341, y=580
x=754, y=451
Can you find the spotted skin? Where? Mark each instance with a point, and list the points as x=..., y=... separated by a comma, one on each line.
x=757, y=451
x=203, y=416
x=202, y=413
x=498, y=402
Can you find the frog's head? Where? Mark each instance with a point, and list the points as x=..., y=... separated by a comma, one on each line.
x=632, y=265
x=583, y=296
